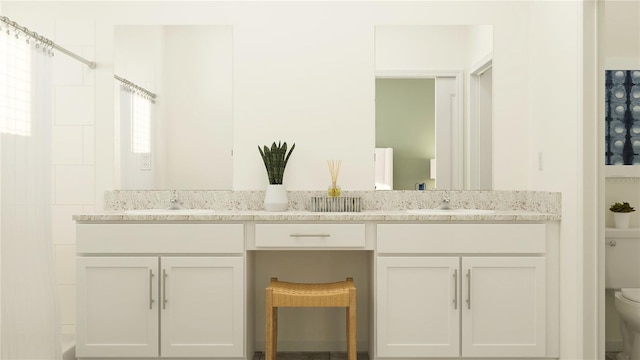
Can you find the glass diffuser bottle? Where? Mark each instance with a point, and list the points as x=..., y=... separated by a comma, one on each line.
x=334, y=170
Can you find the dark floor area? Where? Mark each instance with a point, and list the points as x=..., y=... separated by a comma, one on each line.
x=611, y=355
x=311, y=355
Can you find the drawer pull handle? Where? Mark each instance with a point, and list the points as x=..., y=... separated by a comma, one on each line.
x=309, y=235
x=164, y=289
x=455, y=289
x=151, y=289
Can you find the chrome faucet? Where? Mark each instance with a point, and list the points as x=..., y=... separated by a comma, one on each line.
x=444, y=205
x=174, y=202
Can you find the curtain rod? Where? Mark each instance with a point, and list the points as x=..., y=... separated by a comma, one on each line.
x=135, y=86
x=45, y=41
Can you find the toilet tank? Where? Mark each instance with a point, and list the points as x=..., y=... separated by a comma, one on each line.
x=622, y=258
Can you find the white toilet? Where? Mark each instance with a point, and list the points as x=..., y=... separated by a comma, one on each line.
x=622, y=273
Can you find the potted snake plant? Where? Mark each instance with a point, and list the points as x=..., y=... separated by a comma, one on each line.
x=275, y=160
x=621, y=214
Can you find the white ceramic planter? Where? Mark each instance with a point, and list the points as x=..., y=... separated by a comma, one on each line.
x=275, y=199
x=621, y=220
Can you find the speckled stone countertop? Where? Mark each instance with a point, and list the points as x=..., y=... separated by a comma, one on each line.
x=375, y=215
x=228, y=206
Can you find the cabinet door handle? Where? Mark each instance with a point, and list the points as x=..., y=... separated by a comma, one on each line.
x=164, y=289
x=310, y=235
x=469, y=289
x=151, y=289
x=455, y=289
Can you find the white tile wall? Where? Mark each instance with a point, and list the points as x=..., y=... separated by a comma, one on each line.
x=74, y=185
x=66, y=70
x=63, y=227
x=73, y=154
x=65, y=255
x=88, y=145
x=88, y=74
x=75, y=32
x=67, y=145
x=74, y=105
x=67, y=295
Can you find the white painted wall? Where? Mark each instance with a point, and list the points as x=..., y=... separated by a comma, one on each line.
x=421, y=48
x=554, y=122
x=480, y=43
x=621, y=45
x=303, y=72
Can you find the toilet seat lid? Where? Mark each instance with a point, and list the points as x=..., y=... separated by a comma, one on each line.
x=632, y=294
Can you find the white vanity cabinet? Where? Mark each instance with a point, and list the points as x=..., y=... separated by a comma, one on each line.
x=117, y=307
x=201, y=304
x=140, y=294
x=418, y=307
x=503, y=310
x=465, y=290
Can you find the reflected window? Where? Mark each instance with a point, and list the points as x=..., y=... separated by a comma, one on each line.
x=140, y=124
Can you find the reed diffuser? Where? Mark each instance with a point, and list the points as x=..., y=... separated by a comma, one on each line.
x=334, y=170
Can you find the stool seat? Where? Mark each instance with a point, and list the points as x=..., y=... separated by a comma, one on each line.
x=288, y=294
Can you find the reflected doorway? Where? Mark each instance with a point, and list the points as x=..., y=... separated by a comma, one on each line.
x=418, y=122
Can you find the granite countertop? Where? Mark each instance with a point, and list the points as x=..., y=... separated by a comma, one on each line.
x=372, y=215
x=229, y=206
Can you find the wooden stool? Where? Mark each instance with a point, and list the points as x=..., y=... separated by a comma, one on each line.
x=285, y=294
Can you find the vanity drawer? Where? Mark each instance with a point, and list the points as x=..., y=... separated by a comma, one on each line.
x=160, y=238
x=461, y=238
x=310, y=235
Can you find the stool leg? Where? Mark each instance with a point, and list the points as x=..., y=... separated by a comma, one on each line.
x=269, y=328
x=274, y=338
x=351, y=326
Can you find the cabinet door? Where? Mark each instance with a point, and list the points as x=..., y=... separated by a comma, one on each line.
x=117, y=308
x=418, y=307
x=504, y=307
x=202, y=306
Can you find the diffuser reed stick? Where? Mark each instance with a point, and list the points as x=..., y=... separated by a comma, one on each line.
x=334, y=170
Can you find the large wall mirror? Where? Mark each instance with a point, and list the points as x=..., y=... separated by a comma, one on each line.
x=186, y=135
x=433, y=107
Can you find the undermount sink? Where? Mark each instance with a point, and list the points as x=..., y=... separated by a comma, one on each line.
x=450, y=211
x=170, y=212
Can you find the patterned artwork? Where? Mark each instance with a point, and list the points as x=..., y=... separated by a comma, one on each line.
x=622, y=121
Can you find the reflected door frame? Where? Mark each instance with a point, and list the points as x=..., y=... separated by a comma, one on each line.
x=449, y=123
x=480, y=149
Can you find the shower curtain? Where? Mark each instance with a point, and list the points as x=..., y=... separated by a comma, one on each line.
x=30, y=324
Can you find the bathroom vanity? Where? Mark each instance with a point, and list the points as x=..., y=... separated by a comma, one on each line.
x=439, y=286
